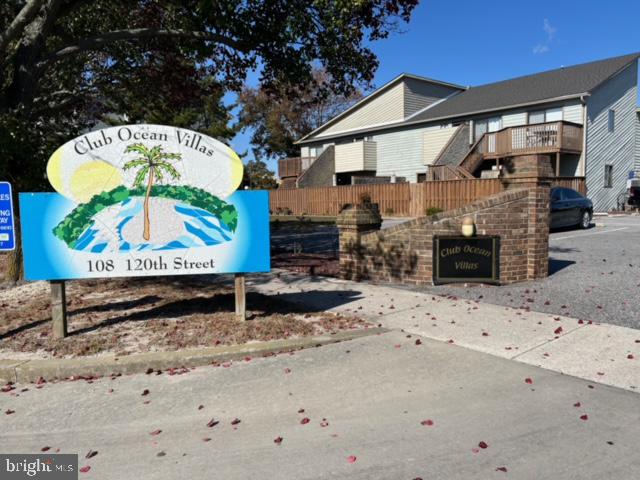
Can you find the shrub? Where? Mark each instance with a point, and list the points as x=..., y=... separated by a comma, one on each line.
x=365, y=198
x=432, y=211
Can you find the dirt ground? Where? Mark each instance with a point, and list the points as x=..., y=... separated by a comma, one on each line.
x=124, y=316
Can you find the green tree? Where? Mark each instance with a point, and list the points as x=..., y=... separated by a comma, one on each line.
x=66, y=65
x=257, y=176
x=280, y=114
x=152, y=164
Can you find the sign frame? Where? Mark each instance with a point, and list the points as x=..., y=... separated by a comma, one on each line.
x=12, y=229
x=494, y=279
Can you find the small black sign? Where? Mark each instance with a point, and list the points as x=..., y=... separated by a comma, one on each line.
x=466, y=259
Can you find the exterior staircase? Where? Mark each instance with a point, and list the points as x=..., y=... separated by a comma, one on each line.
x=551, y=138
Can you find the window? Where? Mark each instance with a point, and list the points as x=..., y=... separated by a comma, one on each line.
x=608, y=176
x=536, y=117
x=544, y=116
x=553, y=114
x=611, y=120
x=485, y=125
x=422, y=177
x=315, y=151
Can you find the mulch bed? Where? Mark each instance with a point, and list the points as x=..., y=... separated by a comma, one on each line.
x=149, y=314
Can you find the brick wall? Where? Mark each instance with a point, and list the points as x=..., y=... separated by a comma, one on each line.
x=403, y=253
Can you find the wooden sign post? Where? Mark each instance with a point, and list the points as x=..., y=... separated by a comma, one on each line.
x=59, y=308
x=241, y=298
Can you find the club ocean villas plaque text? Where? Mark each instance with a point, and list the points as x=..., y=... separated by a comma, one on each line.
x=466, y=259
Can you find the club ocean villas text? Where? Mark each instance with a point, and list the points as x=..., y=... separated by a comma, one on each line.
x=91, y=142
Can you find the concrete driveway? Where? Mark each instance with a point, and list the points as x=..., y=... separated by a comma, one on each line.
x=594, y=275
x=365, y=399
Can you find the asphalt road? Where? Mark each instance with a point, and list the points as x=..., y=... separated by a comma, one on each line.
x=595, y=275
x=365, y=401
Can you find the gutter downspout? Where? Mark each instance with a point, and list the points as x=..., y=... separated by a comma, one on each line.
x=583, y=163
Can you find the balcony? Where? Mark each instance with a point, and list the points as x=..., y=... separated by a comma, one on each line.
x=294, y=166
x=356, y=156
x=542, y=138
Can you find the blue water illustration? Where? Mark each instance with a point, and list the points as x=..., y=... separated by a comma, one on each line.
x=199, y=229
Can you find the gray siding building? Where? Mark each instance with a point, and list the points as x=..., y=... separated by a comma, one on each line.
x=417, y=129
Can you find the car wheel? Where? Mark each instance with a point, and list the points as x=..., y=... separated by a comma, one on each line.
x=585, y=220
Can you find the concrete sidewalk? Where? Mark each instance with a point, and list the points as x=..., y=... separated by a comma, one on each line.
x=600, y=353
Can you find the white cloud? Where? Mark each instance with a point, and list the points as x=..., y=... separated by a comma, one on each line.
x=540, y=48
x=550, y=32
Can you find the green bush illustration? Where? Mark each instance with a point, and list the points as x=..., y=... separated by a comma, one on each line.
x=80, y=219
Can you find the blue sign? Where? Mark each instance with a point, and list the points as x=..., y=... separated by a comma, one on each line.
x=190, y=232
x=7, y=228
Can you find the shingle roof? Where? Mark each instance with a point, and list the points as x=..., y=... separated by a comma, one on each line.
x=539, y=87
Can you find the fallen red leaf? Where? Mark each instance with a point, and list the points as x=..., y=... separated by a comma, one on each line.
x=85, y=469
x=212, y=423
x=304, y=421
x=584, y=417
x=235, y=421
x=351, y=459
x=91, y=454
x=427, y=423
x=558, y=331
x=277, y=440
x=324, y=423
x=200, y=407
x=501, y=469
x=418, y=342
x=9, y=412
x=206, y=439
x=45, y=449
x=630, y=357
x=301, y=410
x=145, y=392
x=483, y=445
x=577, y=404
x=528, y=380
x=156, y=432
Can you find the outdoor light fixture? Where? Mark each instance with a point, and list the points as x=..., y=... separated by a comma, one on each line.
x=468, y=227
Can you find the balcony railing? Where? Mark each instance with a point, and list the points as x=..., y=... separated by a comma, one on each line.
x=356, y=156
x=554, y=137
x=294, y=166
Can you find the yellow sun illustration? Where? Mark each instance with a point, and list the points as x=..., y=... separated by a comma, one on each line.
x=83, y=182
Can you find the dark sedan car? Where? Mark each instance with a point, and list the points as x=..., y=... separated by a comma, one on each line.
x=570, y=208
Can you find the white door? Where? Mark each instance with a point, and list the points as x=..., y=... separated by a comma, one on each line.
x=495, y=124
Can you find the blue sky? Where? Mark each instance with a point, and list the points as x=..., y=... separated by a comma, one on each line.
x=473, y=42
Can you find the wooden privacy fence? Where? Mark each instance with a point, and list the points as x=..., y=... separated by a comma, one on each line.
x=394, y=199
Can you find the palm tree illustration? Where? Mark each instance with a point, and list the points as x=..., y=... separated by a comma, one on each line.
x=153, y=165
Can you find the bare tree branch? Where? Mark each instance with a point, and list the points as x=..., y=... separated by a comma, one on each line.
x=92, y=43
x=28, y=13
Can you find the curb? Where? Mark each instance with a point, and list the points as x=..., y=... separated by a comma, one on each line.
x=25, y=371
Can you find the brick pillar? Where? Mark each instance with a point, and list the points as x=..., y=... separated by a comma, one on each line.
x=352, y=223
x=535, y=174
